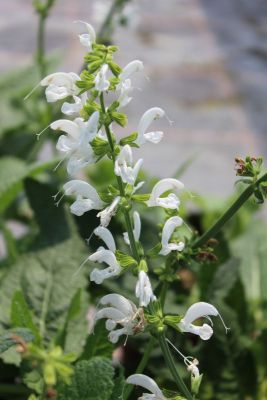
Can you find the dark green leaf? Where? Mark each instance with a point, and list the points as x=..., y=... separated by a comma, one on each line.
x=12, y=337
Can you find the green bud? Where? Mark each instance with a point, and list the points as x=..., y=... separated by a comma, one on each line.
x=100, y=146
x=141, y=197
x=113, y=49
x=115, y=68
x=125, y=260
x=143, y=266
x=94, y=66
x=195, y=383
x=129, y=139
x=120, y=118
x=50, y=377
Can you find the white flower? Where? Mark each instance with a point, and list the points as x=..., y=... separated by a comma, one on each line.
x=124, y=165
x=170, y=225
x=76, y=143
x=60, y=85
x=73, y=109
x=147, y=383
x=196, y=311
x=192, y=366
x=164, y=185
x=87, y=197
x=122, y=312
x=143, y=290
x=87, y=39
x=106, y=214
x=148, y=117
x=101, y=81
x=131, y=68
x=136, y=229
x=125, y=89
x=105, y=255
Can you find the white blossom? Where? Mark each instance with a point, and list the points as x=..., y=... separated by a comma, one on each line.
x=73, y=109
x=87, y=39
x=87, y=197
x=125, y=89
x=101, y=81
x=148, y=117
x=147, y=383
x=163, y=186
x=107, y=237
x=124, y=165
x=122, y=312
x=76, y=144
x=170, y=225
x=196, y=311
x=131, y=68
x=60, y=85
x=143, y=289
x=108, y=212
x=136, y=229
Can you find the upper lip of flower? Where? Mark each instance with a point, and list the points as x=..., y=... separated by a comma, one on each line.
x=124, y=165
x=170, y=225
x=147, y=383
x=160, y=188
x=147, y=118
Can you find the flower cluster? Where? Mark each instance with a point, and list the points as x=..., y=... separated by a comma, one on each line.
x=88, y=136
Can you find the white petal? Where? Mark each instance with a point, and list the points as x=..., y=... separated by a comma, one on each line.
x=101, y=81
x=110, y=313
x=147, y=383
x=80, y=206
x=60, y=79
x=137, y=226
x=54, y=93
x=90, y=30
x=106, y=236
x=153, y=137
x=204, y=331
x=71, y=109
x=67, y=126
x=164, y=185
x=148, y=117
x=98, y=276
x=115, y=335
x=143, y=289
x=198, y=310
x=84, y=189
x=131, y=68
x=106, y=215
x=170, y=225
x=120, y=302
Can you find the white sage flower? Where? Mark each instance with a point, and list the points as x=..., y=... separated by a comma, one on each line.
x=143, y=289
x=76, y=144
x=131, y=68
x=125, y=89
x=124, y=165
x=104, y=255
x=87, y=39
x=60, y=85
x=196, y=311
x=101, y=81
x=108, y=212
x=148, y=117
x=163, y=186
x=73, y=109
x=136, y=229
x=122, y=312
x=87, y=197
x=170, y=225
x=147, y=383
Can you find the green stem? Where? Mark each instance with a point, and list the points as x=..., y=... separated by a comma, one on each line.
x=169, y=361
x=215, y=229
x=127, y=218
x=141, y=365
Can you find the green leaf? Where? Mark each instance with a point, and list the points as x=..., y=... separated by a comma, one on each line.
x=100, y=146
x=21, y=315
x=92, y=380
x=12, y=173
x=129, y=139
x=141, y=197
x=40, y=196
x=34, y=381
x=11, y=338
x=125, y=260
x=119, y=384
x=97, y=343
x=120, y=118
x=46, y=278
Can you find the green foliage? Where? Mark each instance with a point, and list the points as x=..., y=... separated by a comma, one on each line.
x=13, y=337
x=92, y=380
x=97, y=343
x=12, y=173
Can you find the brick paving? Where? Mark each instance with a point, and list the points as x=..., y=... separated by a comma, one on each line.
x=207, y=64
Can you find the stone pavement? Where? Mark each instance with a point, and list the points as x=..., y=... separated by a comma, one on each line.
x=206, y=61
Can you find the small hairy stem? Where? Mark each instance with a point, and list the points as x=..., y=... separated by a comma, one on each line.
x=169, y=361
x=127, y=218
x=215, y=229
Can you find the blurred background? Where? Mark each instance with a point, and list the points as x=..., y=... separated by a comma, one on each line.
x=206, y=63
x=206, y=66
